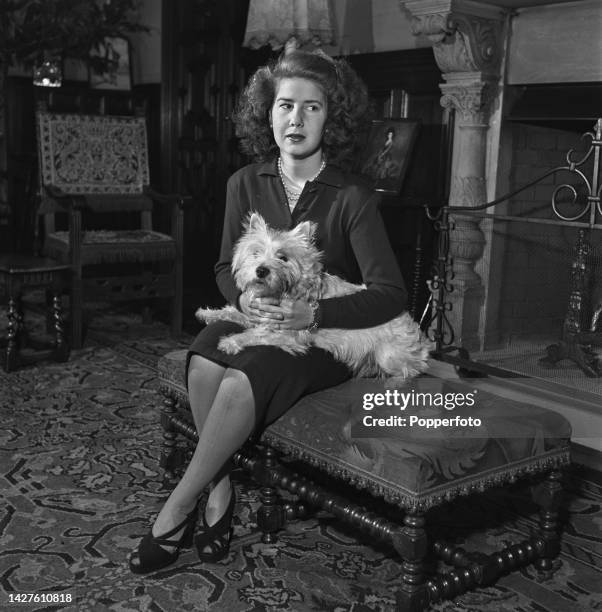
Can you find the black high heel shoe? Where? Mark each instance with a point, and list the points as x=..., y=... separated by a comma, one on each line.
x=216, y=537
x=151, y=555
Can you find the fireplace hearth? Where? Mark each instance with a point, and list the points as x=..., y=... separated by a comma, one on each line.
x=541, y=308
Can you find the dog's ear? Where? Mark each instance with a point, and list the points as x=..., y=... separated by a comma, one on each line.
x=306, y=229
x=256, y=222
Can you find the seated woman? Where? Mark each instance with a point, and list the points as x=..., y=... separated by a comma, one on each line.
x=300, y=118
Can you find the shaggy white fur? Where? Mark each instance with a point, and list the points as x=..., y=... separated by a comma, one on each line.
x=269, y=262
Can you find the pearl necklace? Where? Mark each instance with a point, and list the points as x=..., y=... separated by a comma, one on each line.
x=291, y=189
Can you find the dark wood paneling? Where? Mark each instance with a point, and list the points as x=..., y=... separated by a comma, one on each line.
x=405, y=84
x=204, y=72
x=413, y=70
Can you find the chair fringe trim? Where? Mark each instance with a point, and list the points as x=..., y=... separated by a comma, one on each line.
x=421, y=502
x=555, y=458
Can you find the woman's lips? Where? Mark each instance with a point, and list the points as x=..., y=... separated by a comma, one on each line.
x=295, y=137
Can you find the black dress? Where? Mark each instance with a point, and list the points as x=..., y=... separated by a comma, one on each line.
x=351, y=234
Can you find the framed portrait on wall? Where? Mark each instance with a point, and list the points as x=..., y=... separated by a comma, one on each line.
x=387, y=153
x=110, y=65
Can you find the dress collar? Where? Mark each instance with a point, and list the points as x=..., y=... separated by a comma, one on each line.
x=331, y=175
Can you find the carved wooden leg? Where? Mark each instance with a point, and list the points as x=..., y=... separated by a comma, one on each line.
x=61, y=348
x=548, y=496
x=270, y=516
x=12, y=346
x=77, y=313
x=22, y=335
x=169, y=437
x=411, y=544
x=77, y=283
x=295, y=510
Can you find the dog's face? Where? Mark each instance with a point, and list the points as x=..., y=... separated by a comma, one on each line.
x=274, y=263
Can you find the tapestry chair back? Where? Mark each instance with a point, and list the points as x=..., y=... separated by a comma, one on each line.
x=95, y=167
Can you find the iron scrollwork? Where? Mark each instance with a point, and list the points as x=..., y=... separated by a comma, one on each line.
x=440, y=330
x=593, y=187
x=575, y=343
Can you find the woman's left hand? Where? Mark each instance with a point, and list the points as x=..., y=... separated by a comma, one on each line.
x=297, y=314
x=289, y=314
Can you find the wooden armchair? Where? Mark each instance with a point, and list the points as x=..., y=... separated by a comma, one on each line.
x=95, y=175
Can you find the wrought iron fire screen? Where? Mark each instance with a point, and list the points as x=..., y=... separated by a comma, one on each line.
x=571, y=244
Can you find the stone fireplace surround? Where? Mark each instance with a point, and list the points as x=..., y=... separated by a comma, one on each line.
x=469, y=40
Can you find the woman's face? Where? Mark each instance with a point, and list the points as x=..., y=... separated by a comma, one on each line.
x=298, y=117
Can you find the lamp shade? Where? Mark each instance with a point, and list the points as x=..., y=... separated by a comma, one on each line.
x=275, y=22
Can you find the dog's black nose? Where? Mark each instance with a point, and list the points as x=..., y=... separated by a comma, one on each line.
x=261, y=271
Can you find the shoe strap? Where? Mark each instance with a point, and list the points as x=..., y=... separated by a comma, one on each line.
x=165, y=538
x=220, y=529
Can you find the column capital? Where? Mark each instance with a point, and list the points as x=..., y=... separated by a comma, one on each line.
x=470, y=94
x=466, y=34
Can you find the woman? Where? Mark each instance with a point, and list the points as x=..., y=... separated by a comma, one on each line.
x=300, y=117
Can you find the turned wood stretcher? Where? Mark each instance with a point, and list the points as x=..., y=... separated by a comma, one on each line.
x=330, y=436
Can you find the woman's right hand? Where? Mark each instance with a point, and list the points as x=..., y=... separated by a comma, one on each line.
x=253, y=307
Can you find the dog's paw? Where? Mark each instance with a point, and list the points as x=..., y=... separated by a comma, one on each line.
x=207, y=315
x=230, y=345
x=228, y=313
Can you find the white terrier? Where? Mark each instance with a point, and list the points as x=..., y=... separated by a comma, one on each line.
x=286, y=264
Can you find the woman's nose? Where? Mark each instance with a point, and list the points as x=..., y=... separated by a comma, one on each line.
x=296, y=119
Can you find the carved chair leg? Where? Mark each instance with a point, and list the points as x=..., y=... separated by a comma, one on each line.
x=22, y=332
x=548, y=496
x=295, y=510
x=270, y=516
x=411, y=544
x=61, y=347
x=168, y=449
x=12, y=343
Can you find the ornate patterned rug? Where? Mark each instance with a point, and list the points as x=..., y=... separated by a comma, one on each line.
x=81, y=484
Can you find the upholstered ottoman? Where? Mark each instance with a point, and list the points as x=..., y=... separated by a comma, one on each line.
x=415, y=448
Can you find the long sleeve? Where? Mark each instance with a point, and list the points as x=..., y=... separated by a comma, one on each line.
x=350, y=232
x=385, y=296
x=233, y=218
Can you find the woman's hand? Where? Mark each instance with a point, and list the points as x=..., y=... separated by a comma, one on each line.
x=286, y=314
x=296, y=314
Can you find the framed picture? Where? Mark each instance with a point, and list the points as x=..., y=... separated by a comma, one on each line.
x=110, y=65
x=387, y=153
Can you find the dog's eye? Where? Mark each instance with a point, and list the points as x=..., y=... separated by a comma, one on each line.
x=283, y=257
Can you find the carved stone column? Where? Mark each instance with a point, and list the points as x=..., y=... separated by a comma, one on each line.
x=467, y=44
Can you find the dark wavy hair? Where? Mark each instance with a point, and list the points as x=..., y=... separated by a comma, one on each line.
x=347, y=105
